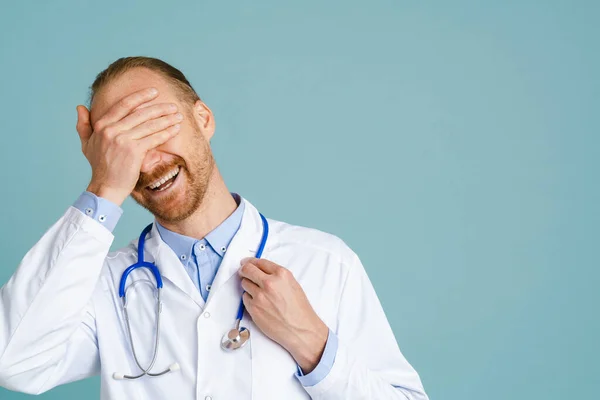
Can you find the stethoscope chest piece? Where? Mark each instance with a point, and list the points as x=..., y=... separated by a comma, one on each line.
x=235, y=339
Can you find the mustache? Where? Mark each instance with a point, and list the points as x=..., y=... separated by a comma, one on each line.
x=158, y=172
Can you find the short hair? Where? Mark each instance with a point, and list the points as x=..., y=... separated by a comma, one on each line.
x=174, y=76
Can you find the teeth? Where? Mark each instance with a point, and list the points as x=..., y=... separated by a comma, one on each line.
x=164, y=178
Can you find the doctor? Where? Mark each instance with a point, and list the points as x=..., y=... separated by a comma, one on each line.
x=312, y=325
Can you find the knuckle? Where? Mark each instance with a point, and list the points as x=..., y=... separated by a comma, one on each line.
x=245, y=268
x=137, y=113
x=268, y=284
x=109, y=131
x=153, y=125
x=162, y=109
x=259, y=297
x=120, y=141
x=284, y=272
x=97, y=126
x=127, y=103
x=146, y=112
x=161, y=123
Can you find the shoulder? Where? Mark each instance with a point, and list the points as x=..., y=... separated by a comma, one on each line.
x=301, y=238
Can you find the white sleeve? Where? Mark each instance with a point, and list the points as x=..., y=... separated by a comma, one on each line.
x=47, y=323
x=368, y=363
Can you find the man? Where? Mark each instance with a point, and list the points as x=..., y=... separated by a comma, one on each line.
x=317, y=329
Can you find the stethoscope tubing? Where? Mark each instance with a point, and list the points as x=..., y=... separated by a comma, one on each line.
x=259, y=252
x=159, y=284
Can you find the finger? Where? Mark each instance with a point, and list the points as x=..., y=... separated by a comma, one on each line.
x=268, y=267
x=144, y=114
x=154, y=125
x=250, y=287
x=156, y=139
x=247, y=299
x=126, y=105
x=253, y=273
x=84, y=129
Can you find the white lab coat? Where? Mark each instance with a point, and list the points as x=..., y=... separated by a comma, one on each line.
x=61, y=320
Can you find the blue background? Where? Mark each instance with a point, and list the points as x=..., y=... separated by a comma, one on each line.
x=452, y=144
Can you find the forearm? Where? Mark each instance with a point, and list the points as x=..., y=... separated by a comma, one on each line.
x=44, y=302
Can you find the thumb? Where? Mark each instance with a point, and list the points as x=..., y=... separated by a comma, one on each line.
x=84, y=129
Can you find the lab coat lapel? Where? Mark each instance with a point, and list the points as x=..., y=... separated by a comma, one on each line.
x=170, y=267
x=244, y=244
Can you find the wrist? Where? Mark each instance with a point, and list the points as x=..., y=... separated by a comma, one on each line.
x=308, y=349
x=115, y=196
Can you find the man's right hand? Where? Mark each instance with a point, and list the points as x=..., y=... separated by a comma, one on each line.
x=118, y=141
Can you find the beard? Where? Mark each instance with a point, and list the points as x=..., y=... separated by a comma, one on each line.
x=191, y=187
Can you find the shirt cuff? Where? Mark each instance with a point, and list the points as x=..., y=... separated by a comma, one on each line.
x=100, y=209
x=325, y=364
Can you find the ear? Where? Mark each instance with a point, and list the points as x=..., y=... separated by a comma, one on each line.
x=204, y=119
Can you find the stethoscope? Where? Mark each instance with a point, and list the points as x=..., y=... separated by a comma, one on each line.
x=232, y=340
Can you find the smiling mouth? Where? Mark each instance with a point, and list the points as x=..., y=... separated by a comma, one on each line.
x=165, y=182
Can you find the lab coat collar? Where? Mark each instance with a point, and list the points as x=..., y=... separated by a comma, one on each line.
x=244, y=244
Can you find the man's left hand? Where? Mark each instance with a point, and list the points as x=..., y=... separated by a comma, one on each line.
x=280, y=308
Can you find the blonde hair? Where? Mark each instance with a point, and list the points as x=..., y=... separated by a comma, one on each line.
x=170, y=73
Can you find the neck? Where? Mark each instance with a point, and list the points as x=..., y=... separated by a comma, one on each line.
x=217, y=205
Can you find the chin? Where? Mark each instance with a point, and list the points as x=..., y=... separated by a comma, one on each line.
x=174, y=206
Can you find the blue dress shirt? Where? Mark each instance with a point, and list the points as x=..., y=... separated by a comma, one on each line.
x=201, y=260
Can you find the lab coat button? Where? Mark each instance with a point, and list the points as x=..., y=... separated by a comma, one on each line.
x=207, y=315
x=208, y=398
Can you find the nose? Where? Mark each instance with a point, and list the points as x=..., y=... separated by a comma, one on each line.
x=151, y=160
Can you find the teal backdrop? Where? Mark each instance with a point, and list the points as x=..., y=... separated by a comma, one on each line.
x=454, y=145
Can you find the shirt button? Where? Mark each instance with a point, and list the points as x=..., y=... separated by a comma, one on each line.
x=102, y=218
x=201, y=246
x=89, y=211
x=207, y=315
x=223, y=249
x=208, y=288
x=183, y=257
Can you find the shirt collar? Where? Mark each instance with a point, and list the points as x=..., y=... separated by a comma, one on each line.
x=219, y=238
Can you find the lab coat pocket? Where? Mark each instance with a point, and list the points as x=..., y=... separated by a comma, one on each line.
x=273, y=369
